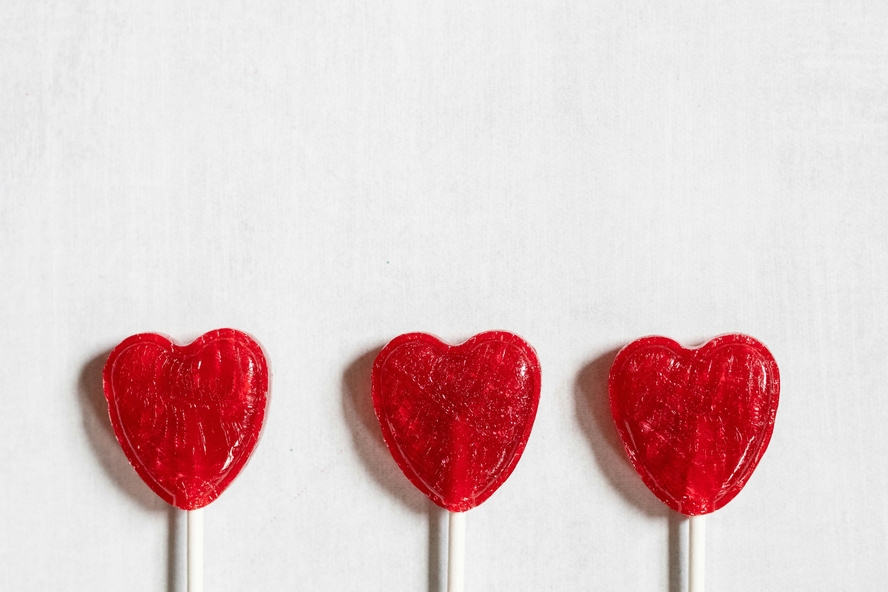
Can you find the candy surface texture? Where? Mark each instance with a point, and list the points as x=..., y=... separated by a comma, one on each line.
x=187, y=417
x=695, y=422
x=456, y=418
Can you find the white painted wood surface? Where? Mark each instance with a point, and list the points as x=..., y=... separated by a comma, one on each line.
x=327, y=175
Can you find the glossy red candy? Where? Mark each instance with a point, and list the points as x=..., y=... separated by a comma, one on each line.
x=187, y=417
x=456, y=418
x=695, y=422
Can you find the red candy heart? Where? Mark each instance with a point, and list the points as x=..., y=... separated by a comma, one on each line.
x=695, y=422
x=187, y=417
x=456, y=418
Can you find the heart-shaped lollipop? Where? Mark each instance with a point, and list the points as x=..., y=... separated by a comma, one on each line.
x=187, y=417
x=456, y=418
x=695, y=422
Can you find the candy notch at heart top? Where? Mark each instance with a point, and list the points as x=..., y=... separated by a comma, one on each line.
x=695, y=422
x=456, y=418
x=187, y=417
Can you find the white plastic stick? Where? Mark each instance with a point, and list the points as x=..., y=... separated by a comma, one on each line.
x=195, y=550
x=697, y=553
x=456, y=552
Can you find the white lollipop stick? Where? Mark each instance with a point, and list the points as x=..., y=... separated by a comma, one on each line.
x=456, y=552
x=195, y=550
x=697, y=553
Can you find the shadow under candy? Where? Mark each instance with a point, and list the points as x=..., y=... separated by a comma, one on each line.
x=358, y=409
x=367, y=436
x=97, y=425
x=592, y=407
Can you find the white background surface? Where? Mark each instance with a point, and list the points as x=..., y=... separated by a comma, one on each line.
x=328, y=174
